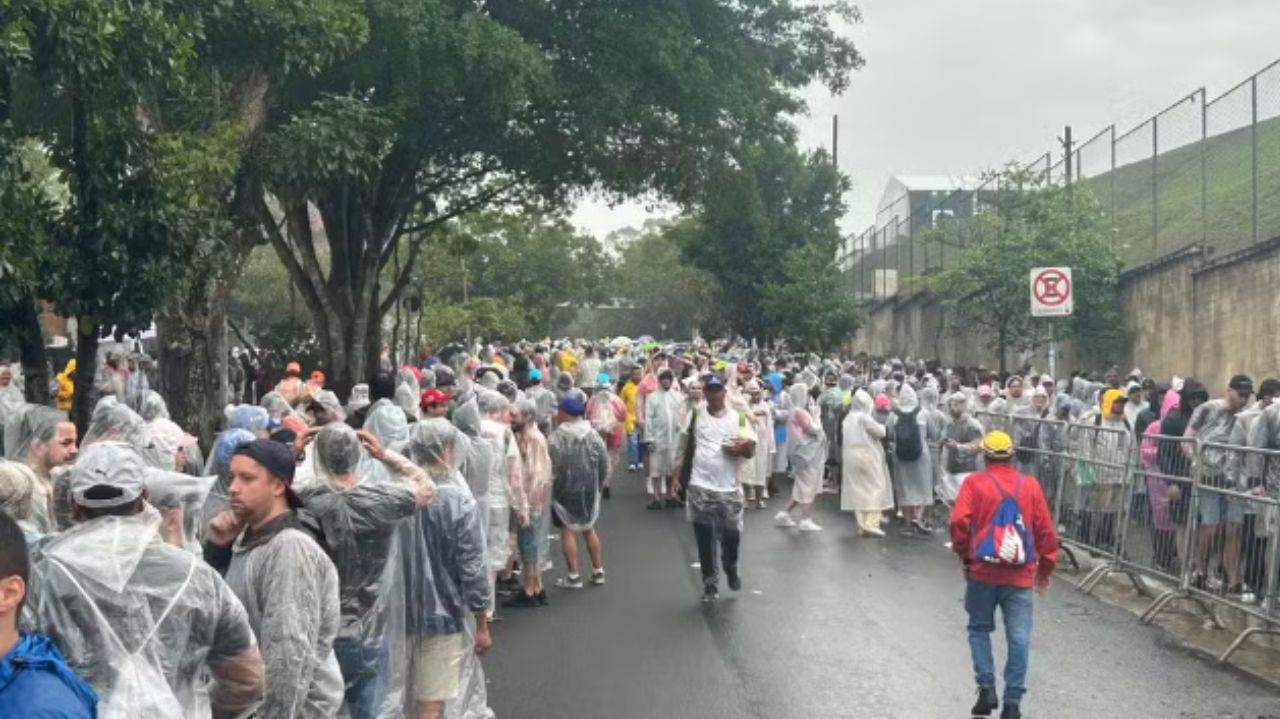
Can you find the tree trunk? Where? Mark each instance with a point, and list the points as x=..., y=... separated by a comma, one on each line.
x=86, y=369
x=35, y=365
x=195, y=349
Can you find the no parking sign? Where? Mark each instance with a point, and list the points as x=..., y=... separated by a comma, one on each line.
x=1051, y=294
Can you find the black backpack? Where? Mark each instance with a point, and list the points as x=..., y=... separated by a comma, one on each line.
x=906, y=437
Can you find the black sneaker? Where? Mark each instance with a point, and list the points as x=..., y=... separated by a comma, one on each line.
x=605, y=493
x=987, y=702
x=735, y=582
x=710, y=593
x=510, y=585
x=542, y=598
x=921, y=528
x=1011, y=711
x=655, y=504
x=524, y=601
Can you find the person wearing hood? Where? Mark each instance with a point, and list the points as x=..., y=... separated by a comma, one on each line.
x=1102, y=455
x=543, y=399
x=961, y=442
x=506, y=495
x=141, y=621
x=580, y=467
x=46, y=444
x=913, y=466
x=807, y=450
x=755, y=474
x=382, y=386
x=1135, y=406
x=831, y=409
x=291, y=387
x=358, y=509
x=1167, y=497
x=34, y=678
x=284, y=578
x=866, y=490
x=662, y=409
x=535, y=474
x=935, y=427
x=1016, y=399
x=607, y=413
x=66, y=387
x=440, y=626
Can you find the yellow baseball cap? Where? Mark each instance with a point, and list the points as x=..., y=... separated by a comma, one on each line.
x=997, y=445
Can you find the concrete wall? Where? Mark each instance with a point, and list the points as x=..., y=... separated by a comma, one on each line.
x=1191, y=314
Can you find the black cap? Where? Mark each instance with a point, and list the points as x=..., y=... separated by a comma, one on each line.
x=1242, y=384
x=277, y=459
x=713, y=382
x=1269, y=388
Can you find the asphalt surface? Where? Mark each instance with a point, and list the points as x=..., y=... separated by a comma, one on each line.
x=828, y=625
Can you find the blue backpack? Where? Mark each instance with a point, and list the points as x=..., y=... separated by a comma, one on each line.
x=1007, y=540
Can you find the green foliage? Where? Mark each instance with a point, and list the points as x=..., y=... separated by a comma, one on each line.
x=521, y=272
x=767, y=232
x=808, y=303
x=1026, y=225
x=671, y=296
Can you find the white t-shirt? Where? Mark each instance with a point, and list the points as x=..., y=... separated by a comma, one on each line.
x=712, y=468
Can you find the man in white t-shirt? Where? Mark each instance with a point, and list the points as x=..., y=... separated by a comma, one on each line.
x=714, y=442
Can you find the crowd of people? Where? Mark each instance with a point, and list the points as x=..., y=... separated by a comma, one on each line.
x=324, y=556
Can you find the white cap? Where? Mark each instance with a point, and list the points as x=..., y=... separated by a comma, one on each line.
x=108, y=464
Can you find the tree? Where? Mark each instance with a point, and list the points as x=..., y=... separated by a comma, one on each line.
x=453, y=105
x=809, y=304
x=1026, y=223
x=766, y=230
x=670, y=296
x=511, y=274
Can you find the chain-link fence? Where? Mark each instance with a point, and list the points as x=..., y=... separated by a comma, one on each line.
x=1201, y=172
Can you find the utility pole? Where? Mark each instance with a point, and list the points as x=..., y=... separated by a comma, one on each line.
x=1068, y=154
x=835, y=141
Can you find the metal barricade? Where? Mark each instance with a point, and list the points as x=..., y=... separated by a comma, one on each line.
x=993, y=422
x=1233, y=531
x=1042, y=453
x=1092, y=498
x=1153, y=537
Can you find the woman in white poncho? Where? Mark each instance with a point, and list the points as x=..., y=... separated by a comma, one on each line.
x=807, y=449
x=866, y=489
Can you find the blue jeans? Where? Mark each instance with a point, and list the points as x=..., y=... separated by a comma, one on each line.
x=633, y=448
x=980, y=601
x=364, y=672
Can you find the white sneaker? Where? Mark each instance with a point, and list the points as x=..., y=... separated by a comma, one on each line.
x=874, y=531
x=784, y=520
x=808, y=525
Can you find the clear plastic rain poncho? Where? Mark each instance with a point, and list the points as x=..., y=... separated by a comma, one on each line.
x=136, y=618
x=360, y=513
x=180, y=499
x=386, y=422
x=12, y=409
x=441, y=578
x=18, y=495
x=408, y=393
x=535, y=461
x=506, y=487
x=247, y=416
x=276, y=405
x=579, y=467
x=40, y=425
x=151, y=406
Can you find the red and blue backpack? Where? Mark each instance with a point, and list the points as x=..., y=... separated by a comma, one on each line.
x=1006, y=541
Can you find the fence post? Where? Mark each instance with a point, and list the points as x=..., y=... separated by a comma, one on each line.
x=1204, y=167
x=1253, y=132
x=1155, y=187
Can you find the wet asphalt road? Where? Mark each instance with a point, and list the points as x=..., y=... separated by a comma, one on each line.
x=828, y=625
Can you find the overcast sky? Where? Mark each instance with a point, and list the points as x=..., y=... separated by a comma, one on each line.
x=956, y=87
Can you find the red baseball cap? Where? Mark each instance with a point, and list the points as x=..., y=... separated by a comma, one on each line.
x=433, y=397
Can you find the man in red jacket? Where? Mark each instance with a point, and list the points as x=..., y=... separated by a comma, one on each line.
x=1005, y=551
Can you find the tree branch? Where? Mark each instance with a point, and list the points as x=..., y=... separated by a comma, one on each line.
x=462, y=209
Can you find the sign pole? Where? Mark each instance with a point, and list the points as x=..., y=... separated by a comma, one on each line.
x=1053, y=353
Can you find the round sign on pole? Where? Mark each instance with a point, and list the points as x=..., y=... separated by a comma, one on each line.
x=1051, y=292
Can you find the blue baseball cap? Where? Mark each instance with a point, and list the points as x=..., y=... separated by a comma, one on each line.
x=535, y=375
x=572, y=407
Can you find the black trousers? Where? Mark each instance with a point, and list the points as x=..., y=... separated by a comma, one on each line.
x=706, y=535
